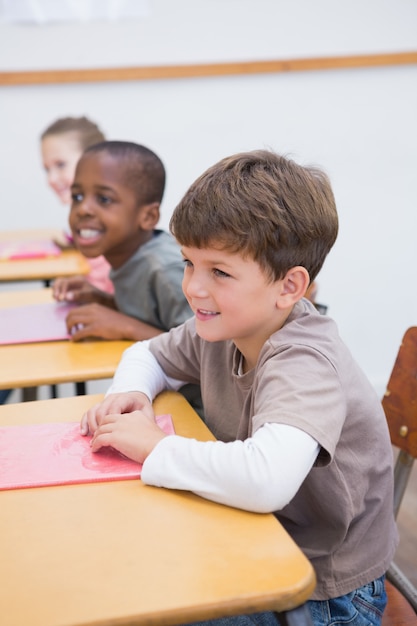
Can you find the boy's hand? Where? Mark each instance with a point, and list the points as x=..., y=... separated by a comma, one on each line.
x=74, y=289
x=124, y=421
x=96, y=320
x=133, y=434
x=115, y=403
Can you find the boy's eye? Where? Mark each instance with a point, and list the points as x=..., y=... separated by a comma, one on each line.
x=104, y=199
x=187, y=263
x=221, y=274
x=77, y=197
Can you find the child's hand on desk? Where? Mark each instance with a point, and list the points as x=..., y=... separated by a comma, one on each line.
x=96, y=320
x=124, y=421
x=75, y=289
x=133, y=434
x=126, y=402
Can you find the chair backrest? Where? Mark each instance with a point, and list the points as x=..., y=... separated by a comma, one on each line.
x=400, y=406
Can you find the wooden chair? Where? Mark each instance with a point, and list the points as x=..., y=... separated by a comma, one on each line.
x=400, y=406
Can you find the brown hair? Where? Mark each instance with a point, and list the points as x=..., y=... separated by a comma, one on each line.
x=86, y=131
x=264, y=206
x=144, y=171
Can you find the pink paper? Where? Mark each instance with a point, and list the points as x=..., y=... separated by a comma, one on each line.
x=34, y=322
x=29, y=249
x=39, y=455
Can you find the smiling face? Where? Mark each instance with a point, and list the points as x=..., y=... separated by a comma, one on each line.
x=232, y=298
x=106, y=216
x=60, y=154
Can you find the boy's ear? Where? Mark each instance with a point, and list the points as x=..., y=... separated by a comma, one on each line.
x=293, y=286
x=149, y=216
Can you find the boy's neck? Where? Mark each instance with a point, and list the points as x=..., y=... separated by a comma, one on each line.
x=251, y=350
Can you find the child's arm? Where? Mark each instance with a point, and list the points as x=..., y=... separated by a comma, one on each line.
x=139, y=370
x=95, y=320
x=142, y=371
x=260, y=474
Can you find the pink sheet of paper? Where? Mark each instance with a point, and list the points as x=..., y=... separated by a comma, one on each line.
x=34, y=322
x=40, y=455
x=29, y=249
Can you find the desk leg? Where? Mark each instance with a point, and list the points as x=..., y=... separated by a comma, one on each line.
x=80, y=389
x=29, y=394
x=296, y=617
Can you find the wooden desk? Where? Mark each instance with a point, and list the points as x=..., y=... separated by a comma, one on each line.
x=54, y=362
x=69, y=263
x=122, y=553
x=21, y=298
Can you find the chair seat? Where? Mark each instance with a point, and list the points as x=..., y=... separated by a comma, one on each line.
x=399, y=611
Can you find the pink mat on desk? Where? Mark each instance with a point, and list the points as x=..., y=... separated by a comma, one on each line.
x=30, y=249
x=38, y=455
x=34, y=322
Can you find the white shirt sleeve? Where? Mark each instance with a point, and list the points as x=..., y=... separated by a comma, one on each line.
x=138, y=370
x=261, y=474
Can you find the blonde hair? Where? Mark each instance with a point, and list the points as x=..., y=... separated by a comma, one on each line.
x=86, y=131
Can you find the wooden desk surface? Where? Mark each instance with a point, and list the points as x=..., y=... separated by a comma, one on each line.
x=69, y=263
x=20, y=298
x=54, y=362
x=122, y=553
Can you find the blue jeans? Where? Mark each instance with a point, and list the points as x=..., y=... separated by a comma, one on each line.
x=362, y=607
x=4, y=394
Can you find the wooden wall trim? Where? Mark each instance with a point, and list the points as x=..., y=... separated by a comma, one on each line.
x=160, y=72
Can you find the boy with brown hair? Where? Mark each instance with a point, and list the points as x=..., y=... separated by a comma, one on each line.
x=301, y=433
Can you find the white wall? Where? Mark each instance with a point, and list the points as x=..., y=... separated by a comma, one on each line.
x=358, y=124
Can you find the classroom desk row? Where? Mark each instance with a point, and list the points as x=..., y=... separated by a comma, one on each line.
x=68, y=263
x=30, y=365
x=121, y=552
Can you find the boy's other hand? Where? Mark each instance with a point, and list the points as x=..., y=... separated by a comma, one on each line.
x=74, y=289
x=133, y=434
x=118, y=403
x=96, y=320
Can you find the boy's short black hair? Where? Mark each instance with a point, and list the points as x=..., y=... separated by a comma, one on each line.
x=262, y=205
x=144, y=170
